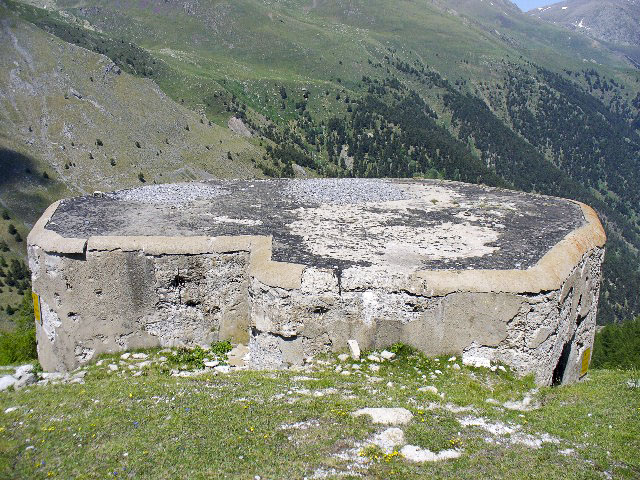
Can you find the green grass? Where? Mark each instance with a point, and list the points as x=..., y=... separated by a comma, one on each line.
x=242, y=424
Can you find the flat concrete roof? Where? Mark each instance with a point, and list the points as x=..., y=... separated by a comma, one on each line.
x=402, y=226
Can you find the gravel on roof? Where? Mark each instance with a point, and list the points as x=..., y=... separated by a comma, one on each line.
x=343, y=191
x=169, y=194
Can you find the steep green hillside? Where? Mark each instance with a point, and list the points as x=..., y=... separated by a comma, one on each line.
x=460, y=89
x=72, y=122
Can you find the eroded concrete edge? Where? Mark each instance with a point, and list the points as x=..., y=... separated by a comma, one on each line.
x=51, y=241
x=548, y=274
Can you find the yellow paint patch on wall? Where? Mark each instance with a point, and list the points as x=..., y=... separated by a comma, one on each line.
x=36, y=307
x=586, y=356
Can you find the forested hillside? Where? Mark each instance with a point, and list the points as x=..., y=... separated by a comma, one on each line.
x=461, y=90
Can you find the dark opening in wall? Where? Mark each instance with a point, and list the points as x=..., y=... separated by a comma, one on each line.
x=558, y=372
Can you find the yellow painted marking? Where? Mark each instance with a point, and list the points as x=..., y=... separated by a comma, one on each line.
x=586, y=356
x=36, y=307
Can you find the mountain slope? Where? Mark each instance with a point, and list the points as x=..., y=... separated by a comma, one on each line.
x=613, y=21
x=461, y=89
x=72, y=122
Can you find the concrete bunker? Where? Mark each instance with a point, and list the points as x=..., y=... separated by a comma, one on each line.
x=294, y=268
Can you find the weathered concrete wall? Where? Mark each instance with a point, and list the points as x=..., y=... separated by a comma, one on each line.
x=110, y=293
x=106, y=301
x=525, y=331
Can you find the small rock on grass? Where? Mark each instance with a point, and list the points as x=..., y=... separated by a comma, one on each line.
x=7, y=381
x=419, y=455
x=386, y=416
x=387, y=355
x=24, y=380
x=389, y=438
x=343, y=357
x=477, y=362
x=23, y=370
x=429, y=388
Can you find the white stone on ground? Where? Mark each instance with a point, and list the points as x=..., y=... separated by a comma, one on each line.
x=140, y=356
x=387, y=355
x=10, y=409
x=429, y=388
x=113, y=367
x=343, y=357
x=456, y=366
x=211, y=364
x=419, y=455
x=23, y=370
x=389, y=438
x=373, y=358
x=474, y=361
x=354, y=349
x=223, y=369
x=374, y=368
x=386, y=416
x=125, y=356
x=24, y=380
x=523, y=405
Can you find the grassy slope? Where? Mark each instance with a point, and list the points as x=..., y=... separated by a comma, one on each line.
x=46, y=120
x=240, y=425
x=57, y=100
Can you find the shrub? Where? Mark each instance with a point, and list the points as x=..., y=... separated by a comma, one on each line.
x=11, y=229
x=5, y=214
x=221, y=349
x=20, y=344
x=141, y=177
